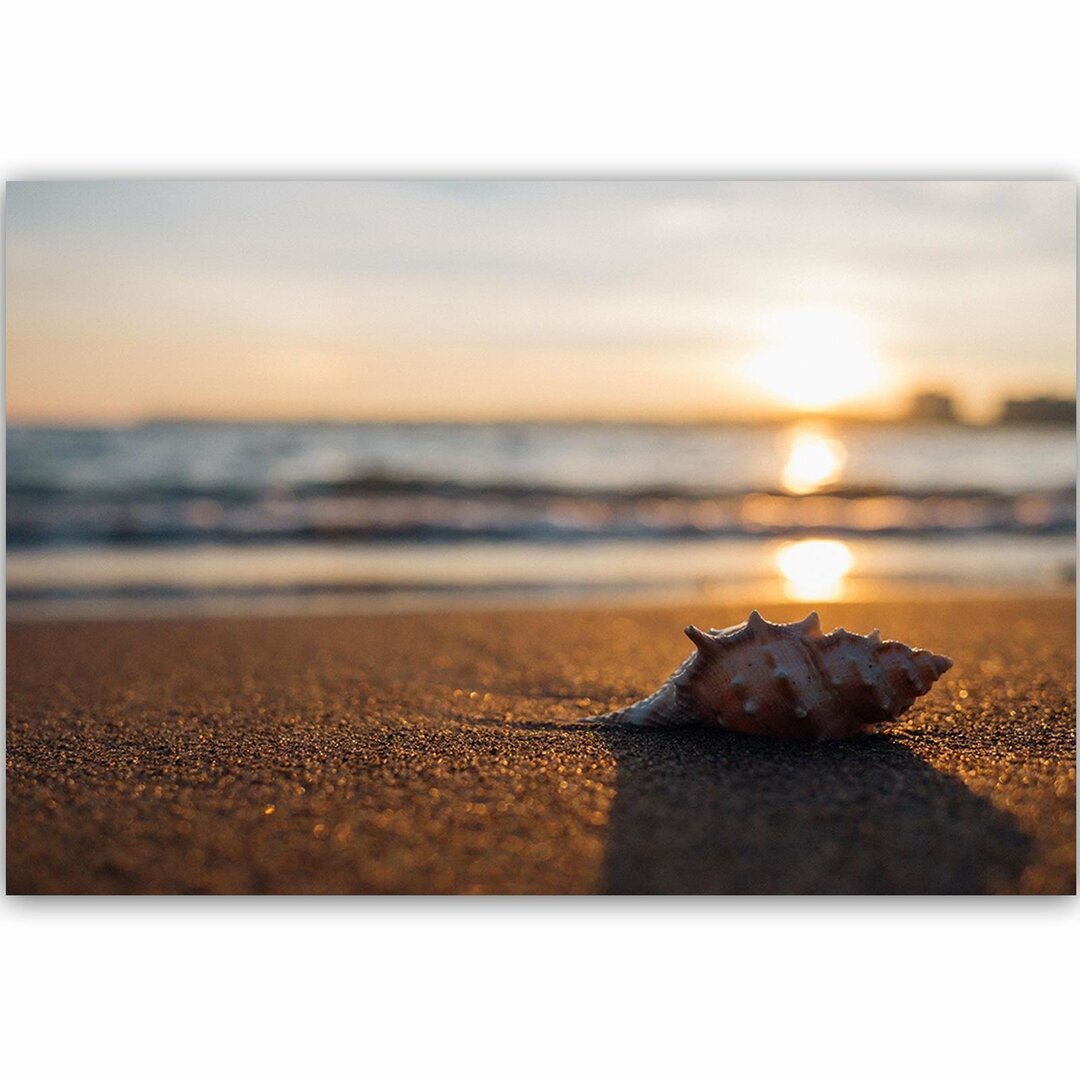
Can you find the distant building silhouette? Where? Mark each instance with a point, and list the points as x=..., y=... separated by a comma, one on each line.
x=939, y=408
x=1039, y=410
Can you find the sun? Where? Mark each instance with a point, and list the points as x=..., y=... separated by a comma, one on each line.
x=817, y=358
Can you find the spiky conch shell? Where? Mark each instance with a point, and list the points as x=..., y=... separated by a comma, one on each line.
x=787, y=680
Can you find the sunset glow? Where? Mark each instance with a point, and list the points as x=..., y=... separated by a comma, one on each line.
x=814, y=569
x=817, y=358
x=513, y=300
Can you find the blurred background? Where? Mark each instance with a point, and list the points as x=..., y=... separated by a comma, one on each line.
x=243, y=397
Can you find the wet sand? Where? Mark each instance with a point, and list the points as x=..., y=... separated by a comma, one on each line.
x=438, y=754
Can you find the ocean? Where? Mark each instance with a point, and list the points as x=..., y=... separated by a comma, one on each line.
x=233, y=518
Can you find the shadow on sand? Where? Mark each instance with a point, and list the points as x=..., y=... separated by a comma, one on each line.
x=698, y=812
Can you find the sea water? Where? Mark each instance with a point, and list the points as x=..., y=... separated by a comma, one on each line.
x=172, y=517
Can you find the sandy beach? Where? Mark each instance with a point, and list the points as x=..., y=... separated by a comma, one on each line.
x=439, y=754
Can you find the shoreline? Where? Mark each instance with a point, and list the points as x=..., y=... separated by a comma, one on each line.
x=495, y=600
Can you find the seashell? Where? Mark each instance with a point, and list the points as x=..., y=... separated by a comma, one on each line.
x=787, y=680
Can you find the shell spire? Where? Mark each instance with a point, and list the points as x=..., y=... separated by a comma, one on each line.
x=789, y=680
x=705, y=643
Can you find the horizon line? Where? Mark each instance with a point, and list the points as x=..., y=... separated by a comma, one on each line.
x=635, y=420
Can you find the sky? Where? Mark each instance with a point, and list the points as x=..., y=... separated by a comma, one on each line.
x=511, y=299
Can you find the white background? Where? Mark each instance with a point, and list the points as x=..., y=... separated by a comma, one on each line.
x=607, y=987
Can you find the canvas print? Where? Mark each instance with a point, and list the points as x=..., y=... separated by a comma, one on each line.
x=540, y=537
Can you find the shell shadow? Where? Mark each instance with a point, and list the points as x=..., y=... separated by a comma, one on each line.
x=706, y=812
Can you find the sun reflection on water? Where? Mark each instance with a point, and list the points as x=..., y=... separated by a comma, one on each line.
x=813, y=461
x=815, y=569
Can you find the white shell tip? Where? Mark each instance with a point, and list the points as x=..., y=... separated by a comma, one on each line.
x=702, y=640
x=755, y=621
